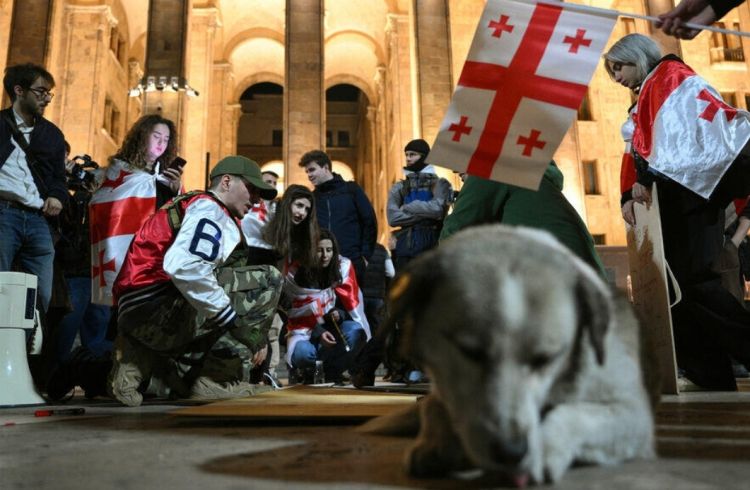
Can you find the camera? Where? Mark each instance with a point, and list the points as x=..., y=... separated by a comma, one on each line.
x=78, y=176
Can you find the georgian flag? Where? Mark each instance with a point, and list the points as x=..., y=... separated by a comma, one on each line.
x=117, y=210
x=309, y=305
x=522, y=83
x=685, y=130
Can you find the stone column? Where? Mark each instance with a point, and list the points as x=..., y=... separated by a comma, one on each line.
x=401, y=98
x=134, y=104
x=80, y=91
x=198, y=71
x=30, y=32
x=433, y=59
x=165, y=58
x=231, y=120
x=222, y=83
x=6, y=14
x=304, y=94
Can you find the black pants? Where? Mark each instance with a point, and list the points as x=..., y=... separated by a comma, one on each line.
x=709, y=323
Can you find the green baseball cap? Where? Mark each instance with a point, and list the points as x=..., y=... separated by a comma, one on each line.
x=247, y=169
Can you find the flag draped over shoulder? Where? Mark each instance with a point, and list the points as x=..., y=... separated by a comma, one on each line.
x=685, y=130
x=126, y=198
x=309, y=305
x=524, y=78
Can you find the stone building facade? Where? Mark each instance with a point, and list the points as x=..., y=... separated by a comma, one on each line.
x=359, y=78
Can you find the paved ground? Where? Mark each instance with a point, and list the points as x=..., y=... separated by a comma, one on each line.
x=704, y=440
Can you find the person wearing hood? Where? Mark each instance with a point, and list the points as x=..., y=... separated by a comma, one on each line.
x=417, y=204
x=485, y=201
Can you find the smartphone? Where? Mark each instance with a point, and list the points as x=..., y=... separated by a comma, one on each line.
x=178, y=163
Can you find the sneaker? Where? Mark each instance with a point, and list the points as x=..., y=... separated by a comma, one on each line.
x=272, y=380
x=130, y=366
x=205, y=388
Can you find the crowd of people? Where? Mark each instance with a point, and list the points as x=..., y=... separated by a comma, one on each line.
x=194, y=294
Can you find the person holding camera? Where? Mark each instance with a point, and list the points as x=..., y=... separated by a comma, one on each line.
x=137, y=182
x=73, y=261
x=32, y=176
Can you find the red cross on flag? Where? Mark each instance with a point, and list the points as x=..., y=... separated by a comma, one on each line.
x=116, y=212
x=522, y=83
x=685, y=130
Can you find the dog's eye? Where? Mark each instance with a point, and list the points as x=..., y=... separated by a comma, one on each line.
x=539, y=361
x=476, y=352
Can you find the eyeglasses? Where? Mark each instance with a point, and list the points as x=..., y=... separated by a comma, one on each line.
x=42, y=93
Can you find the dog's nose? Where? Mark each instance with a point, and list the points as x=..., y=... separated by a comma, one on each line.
x=509, y=452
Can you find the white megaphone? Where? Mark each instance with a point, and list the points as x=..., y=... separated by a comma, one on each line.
x=17, y=314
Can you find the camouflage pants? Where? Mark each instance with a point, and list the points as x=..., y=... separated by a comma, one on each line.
x=172, y=330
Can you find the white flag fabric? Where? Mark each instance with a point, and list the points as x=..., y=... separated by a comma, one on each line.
x=126, y=198
x=526, y=74
x=309, y=305
x=685, y=130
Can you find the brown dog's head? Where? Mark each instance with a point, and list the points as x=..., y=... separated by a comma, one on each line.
x=498, y=316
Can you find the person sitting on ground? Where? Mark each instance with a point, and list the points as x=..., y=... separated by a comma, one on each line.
x=187, y=313
x=326, y=319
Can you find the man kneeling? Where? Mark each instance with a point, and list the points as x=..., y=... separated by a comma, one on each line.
x=191, y=314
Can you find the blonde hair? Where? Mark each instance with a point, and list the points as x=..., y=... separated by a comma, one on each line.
x=635, y=49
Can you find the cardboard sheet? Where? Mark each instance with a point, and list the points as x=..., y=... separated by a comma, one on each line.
x=305, y=401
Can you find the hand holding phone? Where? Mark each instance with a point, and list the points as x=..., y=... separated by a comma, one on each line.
x=178, y=163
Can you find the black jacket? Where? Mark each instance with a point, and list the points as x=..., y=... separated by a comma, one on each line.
x=48, y=146
x=344, y=209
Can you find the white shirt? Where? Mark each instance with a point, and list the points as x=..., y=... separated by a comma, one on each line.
x=16, y=181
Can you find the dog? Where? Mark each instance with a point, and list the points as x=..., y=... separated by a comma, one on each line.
x=534, y=364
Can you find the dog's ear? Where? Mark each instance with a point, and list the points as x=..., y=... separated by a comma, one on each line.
x=408, y=296
x=594, y=309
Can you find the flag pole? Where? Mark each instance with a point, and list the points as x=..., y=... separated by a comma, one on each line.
x=614, y=13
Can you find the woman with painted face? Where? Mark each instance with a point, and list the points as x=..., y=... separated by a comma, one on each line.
x=681, y=136
x=326, y=318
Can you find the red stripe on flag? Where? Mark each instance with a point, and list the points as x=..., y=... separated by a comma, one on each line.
x=348, y=290
x=121, y=217
x=666, y=78
x=627, y=172
x=515, y=82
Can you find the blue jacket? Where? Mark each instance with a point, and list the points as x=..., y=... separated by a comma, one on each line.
x=344, y=209
x=48, y=145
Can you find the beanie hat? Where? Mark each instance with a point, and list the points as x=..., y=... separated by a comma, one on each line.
x=420, y=146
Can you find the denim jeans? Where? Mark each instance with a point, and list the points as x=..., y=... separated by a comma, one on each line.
x=90, y=319
x=25, y=239
x=335, y=359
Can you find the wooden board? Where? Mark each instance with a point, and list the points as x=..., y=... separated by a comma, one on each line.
x=305, y=401
x=648, y=278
